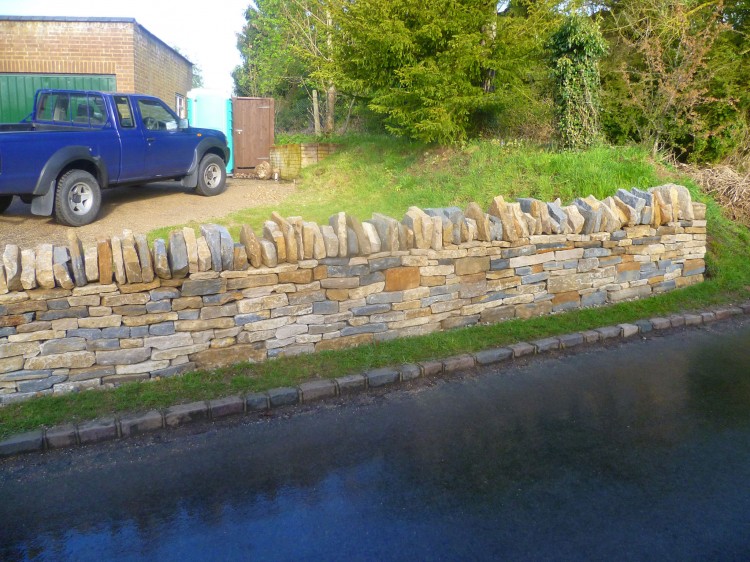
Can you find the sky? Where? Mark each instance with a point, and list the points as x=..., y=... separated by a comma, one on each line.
x=204, y=32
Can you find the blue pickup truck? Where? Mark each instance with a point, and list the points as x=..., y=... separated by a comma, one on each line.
x=76, y=143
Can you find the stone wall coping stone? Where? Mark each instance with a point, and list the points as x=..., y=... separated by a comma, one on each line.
x=129, y=425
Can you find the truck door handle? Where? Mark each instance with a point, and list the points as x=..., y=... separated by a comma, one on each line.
x=150, y=139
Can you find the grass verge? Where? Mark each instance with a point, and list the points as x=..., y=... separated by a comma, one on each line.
x=402, y=174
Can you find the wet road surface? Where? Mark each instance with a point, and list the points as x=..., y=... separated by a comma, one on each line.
x=640, y=451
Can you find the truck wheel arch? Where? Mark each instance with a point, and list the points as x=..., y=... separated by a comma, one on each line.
x=206, y=146
x=61, y=162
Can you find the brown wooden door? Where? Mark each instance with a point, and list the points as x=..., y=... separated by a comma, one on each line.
x=252, y=131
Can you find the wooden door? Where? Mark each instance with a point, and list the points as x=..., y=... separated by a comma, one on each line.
x=252, y=132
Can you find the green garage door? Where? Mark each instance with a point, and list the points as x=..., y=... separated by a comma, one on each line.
x=17, y=90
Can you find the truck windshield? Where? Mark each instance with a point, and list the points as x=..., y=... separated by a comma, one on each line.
x=156, y=116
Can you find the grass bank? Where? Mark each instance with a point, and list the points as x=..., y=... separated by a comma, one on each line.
x=388, y=175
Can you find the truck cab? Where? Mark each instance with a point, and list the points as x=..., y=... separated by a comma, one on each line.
x=76, y=143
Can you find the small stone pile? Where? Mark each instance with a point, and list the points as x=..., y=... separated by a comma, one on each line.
x=90, y=316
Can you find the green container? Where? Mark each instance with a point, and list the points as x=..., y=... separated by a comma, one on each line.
x=17, y=90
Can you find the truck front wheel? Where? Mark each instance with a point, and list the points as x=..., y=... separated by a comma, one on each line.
x=78, y=198
x=5, y=201
x=212, y=175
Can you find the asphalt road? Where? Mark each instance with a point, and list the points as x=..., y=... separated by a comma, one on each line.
x=637, y=451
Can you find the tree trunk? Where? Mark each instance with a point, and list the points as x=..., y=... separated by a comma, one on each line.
x=348, y=115
x=330, y=107
x=316, y=112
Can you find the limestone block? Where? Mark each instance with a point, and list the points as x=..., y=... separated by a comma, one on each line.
x=273, y=234
x=363, y=240
x=387, y=229
x=177, y=255
x=191, y=243
x=330, y=240
x=239, y=259
x=28, y=269
x=67, y=360
x=575, y=219
x=118, y=261
x=474, y=212
x=437, y=233
x=61, y=269
x=559, y=216
x=3, y=280
x=227, y=249
x=518, y=220
x=252, y=245
x=372, y=235
x=12, y=264
x=498, y=208
x=352, y=242
x=699, y=211
x=458, y=220
x=299, y=236
x=45, y=275
x=268, y=253
x=636, y=203
x=448, y=230
x=290, y=239
x=204, y=255
x=104, y=251
x=338, y=223
x=144, y=258
x=91, y=262
x=538, y=210
x=77, y=259
x=161, y=263
x=592, y=218
x=420, y=224
x=212, y=236
x=130, y=260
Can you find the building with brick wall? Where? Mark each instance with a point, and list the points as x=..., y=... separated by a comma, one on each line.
x=111, y=54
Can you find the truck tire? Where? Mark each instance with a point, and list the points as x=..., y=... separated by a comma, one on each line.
x=5, y=201
x=77, y=199
x=212, y=175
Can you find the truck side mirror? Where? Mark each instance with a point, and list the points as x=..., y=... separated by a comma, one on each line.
x=184, y=124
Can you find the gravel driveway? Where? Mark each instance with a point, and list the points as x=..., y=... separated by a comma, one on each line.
x=141, y=209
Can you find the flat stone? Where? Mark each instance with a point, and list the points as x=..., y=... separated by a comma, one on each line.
x=122, y=357
x=12, y=265
x=458, y=363
x=69, y=360
x=185, y=413
x=284, y=396
x=97, y=431
x=212, y=234
x=161, y=261
x=136, y=424
x=409, y=371
x=475, y=212
x=61, y=436
x=204, y=254
x=492, y=356
x=546, y=344
x=522, y=348
x=224, y=407
x=317, y=390
x=629, y=330
x=256, y=402
x=22, y=443
x=200, y=287
x=28, y=270
x=351, y=383
x=609, y=332
x=381, y=377
x=177, y=255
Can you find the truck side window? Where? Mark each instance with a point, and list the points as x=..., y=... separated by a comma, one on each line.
x=98, y=111
x=124, y=112
x=156, y=116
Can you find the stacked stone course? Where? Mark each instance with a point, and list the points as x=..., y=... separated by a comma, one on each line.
x=92, y=316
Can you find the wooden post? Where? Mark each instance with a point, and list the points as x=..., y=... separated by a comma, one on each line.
x=316, y=112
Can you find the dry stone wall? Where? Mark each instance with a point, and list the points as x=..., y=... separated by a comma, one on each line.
x=81, y=317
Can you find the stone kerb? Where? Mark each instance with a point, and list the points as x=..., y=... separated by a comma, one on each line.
x=97, y=315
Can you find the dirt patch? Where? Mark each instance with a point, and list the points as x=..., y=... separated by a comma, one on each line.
x=141, y=209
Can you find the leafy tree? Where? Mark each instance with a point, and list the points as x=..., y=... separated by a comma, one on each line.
x=197, y=76
x=664, y=80
x=426, y=66
x=576, y=48
x=286, y=49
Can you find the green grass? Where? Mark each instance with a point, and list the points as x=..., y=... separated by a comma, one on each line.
x=388, y=175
